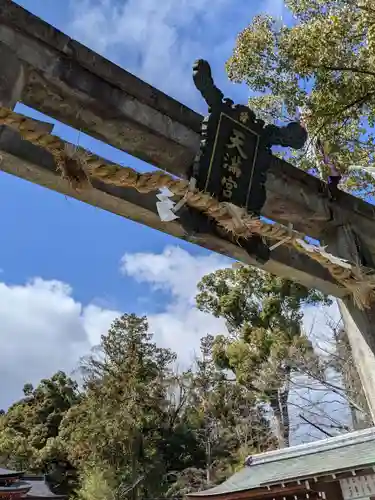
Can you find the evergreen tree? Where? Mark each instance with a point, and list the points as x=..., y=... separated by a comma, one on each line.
x=266, y=344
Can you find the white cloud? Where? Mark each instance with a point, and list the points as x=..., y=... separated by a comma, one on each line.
x=178, y=272
x=96, y=321
x=175, y=271
x=43, y=329
x=159, y=41
x=156, y=40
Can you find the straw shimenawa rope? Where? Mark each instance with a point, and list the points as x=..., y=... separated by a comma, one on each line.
x=78, y=167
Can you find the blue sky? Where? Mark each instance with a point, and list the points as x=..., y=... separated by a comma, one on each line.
x=151, y=41
x=67, y=269
x=48, y=223
x=69, y=253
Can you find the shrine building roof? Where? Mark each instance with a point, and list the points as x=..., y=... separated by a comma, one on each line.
x=348, y=452
x=30, y=487
x=6, y=473
x=40, y=489
x=20, y=487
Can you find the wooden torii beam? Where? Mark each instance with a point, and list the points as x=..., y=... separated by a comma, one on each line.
x=29, y=162
x=45, y=69
x=63, y=79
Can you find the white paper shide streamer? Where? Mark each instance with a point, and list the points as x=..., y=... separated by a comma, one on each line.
x=165, y=205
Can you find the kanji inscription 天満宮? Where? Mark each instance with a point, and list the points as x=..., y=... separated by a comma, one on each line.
x=234, y=156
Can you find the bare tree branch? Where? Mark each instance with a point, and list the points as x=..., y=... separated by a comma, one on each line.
x=315, y=425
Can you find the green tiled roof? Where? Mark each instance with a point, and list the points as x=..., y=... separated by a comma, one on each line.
x=350, y=451
x=9, y=473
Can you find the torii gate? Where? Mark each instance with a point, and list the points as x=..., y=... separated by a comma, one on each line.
x=45, y=69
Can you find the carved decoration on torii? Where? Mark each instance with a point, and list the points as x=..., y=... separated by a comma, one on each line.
x=233, y=159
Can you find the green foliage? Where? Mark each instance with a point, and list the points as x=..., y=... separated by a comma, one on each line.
x=188, y=481
x=28, y=426
x=324, y=61
x=124, y=415
x=97, y=484
x=228, y=423
x=143, y=421
x=264, y=317
x=138, y=429
x=28, y=430
x=266, y=301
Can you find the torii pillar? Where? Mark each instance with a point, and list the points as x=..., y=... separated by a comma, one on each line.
x=359, y=325
x=12, y=77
